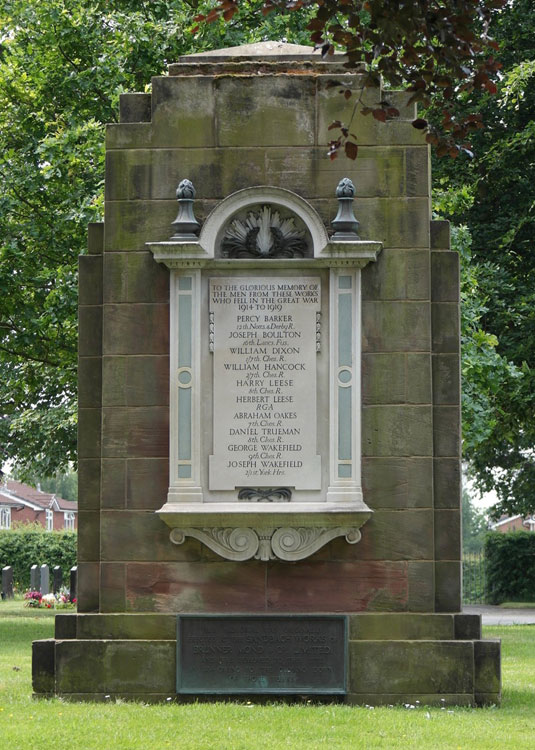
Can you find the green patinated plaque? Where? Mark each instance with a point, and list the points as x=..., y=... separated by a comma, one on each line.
x=277, y=654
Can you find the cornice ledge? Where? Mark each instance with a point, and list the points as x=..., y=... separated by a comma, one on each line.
x=361, y=252
x=174, y=253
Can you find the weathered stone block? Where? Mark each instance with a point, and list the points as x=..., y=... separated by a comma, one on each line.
x=89, y=433
x=397, y=222
x=447, y=535
x=136, y=329
x=446, y=379
x=332, y=106
x=43, y=676
x=418, y=378
x=135, y=107
x=396, y=431
x=130, y=224
x=266, y=111
x=397, y=482
x=400, y=627
x=135, y=381
x=147, y=481
x=191, y=587
x=446, y=327
x=140, y=535
x=389, y=378
x=184, y=112
x=65, y=626
x=445, y=276
x=384, y=378
x=90, y=331
x=400, y=100
x=397, y=274
x=112, y=587
x=447, y=431
x=360, y=586
x=88, y=586
x=88, y=535
x=88, y=483
x=448, y=586
x=447, y=483
x=134, y=277
x=109, y=666
x=440, y=235
x=487, y=676
x=90, y=280
x=467, y=627
x=421, y=586
x=113, y=483
x=391, y=535
x=89, y=382
x=135, y=432
x=378, y=172
x=129, y=135
x=417, y=171
x=127, y=626
x=435, y=667
x=95, y=238
x=395, y=326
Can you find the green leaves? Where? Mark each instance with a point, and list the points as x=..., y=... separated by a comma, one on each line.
x=63, y=66
x=510, y=567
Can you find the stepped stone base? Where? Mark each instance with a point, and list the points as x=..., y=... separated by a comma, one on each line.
x=436, y=659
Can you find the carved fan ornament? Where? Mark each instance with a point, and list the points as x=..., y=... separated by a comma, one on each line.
x=263, y=234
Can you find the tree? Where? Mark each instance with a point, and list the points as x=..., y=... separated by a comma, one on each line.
x=498, y=209
x=63, y=65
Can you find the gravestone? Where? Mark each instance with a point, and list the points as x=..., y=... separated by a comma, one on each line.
x=35, y=578
x=44, y=586
x=7, y=582
x=269, y=403
x=73, y=582
x=57, y=580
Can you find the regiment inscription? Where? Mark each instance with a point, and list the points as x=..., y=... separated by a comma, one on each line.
x=265, y=333
x=262, y=654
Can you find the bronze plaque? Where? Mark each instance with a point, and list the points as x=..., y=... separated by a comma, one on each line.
x=278, y=654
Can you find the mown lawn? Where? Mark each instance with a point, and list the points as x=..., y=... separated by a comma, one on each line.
x=26, y=724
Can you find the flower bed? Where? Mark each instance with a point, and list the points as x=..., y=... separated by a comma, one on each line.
x=49, y=601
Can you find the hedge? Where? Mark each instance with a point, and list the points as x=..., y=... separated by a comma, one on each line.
x=510, y=567
x=30, y=544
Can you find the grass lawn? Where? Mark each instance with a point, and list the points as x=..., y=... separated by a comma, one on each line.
x=26, y=724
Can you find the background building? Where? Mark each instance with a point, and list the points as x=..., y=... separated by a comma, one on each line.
x=20, y=502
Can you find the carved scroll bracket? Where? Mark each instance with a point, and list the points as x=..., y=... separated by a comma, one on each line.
x=287, y=543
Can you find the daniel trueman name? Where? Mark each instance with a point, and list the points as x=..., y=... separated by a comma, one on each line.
x=264, y=348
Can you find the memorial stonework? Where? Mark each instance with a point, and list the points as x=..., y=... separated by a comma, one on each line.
x=269, y=404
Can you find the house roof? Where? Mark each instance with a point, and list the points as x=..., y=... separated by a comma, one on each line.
x=15, y=493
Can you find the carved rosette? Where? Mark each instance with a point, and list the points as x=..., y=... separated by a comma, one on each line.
x=287, y=543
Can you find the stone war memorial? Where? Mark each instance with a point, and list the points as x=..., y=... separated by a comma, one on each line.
x=269, y=404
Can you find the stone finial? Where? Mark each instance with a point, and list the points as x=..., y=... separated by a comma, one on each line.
x=345, y=188
x=185, y=189
x=345, y=223
x=185, y=225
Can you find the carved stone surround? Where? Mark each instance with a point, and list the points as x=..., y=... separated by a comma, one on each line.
x=265, y=526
